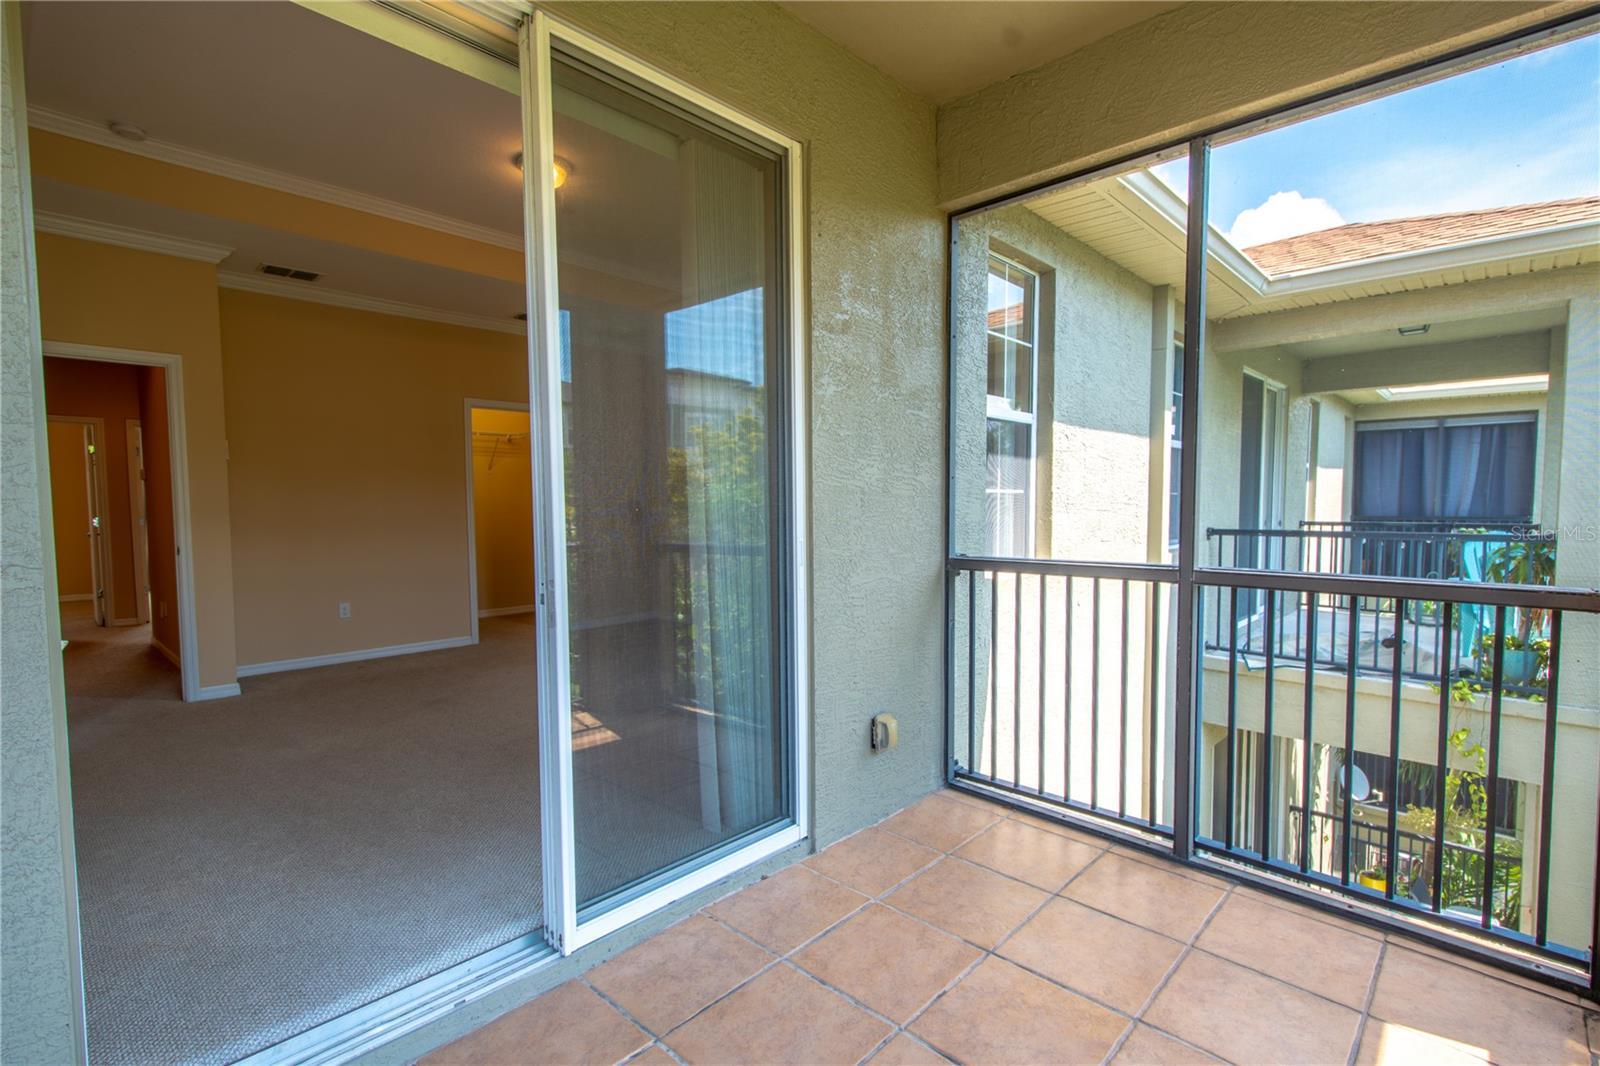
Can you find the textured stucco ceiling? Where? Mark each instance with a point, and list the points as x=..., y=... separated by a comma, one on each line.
x=943, y=49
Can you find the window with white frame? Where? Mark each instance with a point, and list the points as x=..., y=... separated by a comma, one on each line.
x=1013, y=370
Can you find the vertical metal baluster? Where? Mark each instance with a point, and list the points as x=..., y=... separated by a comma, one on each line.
x=1266, y=732
x=1349, y=770
x=1233, y=717
x=1016, y=682
x=1094, y=703
x=1547, y=788
x=1066, y=705
x=1441, y=758
x=972, y=671
x=1151, y=737
x=1305, y=769
x=994, y=675
x=1122, y=732
x=1493, y=786
x=1394, y=748
x=1043, y=585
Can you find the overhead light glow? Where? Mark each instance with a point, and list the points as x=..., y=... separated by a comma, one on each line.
x=561, y=170
x=1480, y=386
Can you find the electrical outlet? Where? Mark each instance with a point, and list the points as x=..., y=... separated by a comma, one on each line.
x=344, y=610
x=161, y=609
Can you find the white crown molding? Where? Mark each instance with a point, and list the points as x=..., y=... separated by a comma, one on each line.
x=85, y=229
x=67, y=125
x=311, y=293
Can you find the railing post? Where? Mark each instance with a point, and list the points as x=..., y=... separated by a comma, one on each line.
x=1186, y=711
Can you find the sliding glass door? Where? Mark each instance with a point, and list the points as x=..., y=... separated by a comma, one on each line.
x=662, y=273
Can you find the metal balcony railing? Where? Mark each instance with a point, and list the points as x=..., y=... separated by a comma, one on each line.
x=1064, y=697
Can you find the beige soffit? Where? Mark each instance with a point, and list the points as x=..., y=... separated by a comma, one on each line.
x=307, y=291
x=84, y=130
x=85, y=229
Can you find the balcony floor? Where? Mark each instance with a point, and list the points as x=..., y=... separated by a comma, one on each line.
x=958, y=929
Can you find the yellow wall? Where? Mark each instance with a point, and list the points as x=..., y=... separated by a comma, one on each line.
x=117, y=297
x=502, y=506
x=348, y=472
x=69, y=507
x=158, y=507
x=109, y=392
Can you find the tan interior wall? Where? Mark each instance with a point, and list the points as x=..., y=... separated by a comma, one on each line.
x=117, y=297
x=69, y=507
x=502, y=507
x=348, y=472
x=158, y=508
x=109, y=392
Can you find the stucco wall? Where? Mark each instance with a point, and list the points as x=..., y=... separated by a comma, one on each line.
x=1194, y=68
x=41, y=1009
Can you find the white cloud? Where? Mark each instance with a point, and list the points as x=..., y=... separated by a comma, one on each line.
x=1284, y=214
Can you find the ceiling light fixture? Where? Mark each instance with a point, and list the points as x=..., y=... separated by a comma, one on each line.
x=127, y=129
x=562, y=168
x=1413, y=331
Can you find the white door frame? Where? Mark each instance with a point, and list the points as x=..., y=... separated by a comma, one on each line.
x=93, y=432
x=472, y=519
x=178, y=456
x=539, y=35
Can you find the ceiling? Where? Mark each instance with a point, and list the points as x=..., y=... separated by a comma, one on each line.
x=944, y=49
x=309, y=97
x=314, y=99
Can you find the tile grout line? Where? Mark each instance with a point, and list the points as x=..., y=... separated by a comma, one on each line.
x=1366, y=1004
x=1161, y=985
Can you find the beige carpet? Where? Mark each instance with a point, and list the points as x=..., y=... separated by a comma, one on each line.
x=254, y=866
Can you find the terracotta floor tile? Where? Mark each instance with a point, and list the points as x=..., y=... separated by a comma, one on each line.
x=652, y=1056
x=938, y=821
x=981, y=802
x=906, y=1050
x=568, y=1024
x=1146, y=1047
x=1050, y=825
x=782, y=1016
x=1391, y=1044
x=1145, y=895
x=1161, y=862
x=665, y=979
x=1041, y=858
x=1562, y=994
x=892, y=963
x=1321, y=958
x=1508, y=1022
x=1110, y=960
x=1245, y=1017
x=872, y=861
x=1002, y=1014
x=973, y=903
x=787, y=909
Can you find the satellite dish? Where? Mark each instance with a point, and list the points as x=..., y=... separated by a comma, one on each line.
x=1356, y=784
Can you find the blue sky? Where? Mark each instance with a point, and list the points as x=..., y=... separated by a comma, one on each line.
x=1520, y=131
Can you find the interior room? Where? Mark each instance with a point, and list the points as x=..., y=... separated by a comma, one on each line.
x=321, y=254
x=306, y=771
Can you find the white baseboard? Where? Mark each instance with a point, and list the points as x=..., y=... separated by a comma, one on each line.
x=77, y=597
x=217, y=692
x=496, y=612
x=170, y=655
x=311, y=661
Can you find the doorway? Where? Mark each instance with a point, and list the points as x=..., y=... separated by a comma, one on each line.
x=76, y=492
x=500, y=572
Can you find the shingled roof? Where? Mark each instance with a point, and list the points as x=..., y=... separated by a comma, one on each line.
x=1369, y=240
